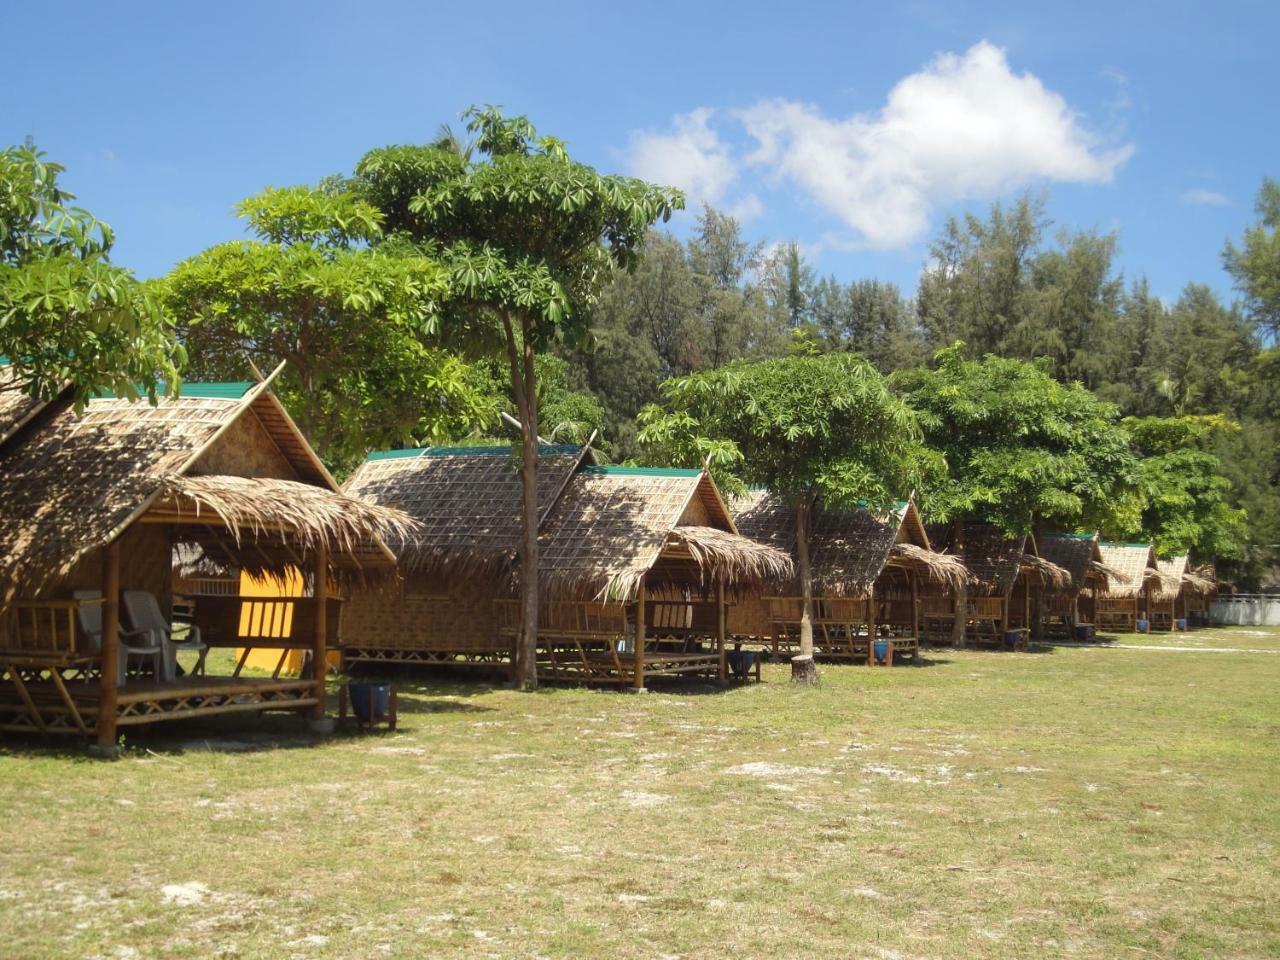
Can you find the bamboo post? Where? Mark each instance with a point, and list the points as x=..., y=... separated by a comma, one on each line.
x=638, y=652
x=915, y=608
x=871, y=627
x=108, y=689
x=319, y=642
x=720, y=632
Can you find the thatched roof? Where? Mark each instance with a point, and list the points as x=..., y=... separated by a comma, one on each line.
x=17, y=406
x=1079, y=555
x=293, y=515
x=466, y=501
x=1168, y=581
x=1051, y=576
x=848, y=549
x=993, y=558
x=1202, y=580
x=1134, y=564
x=614, y=525
x=78, y=481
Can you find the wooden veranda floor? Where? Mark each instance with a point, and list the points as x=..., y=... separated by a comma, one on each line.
x=39, y=706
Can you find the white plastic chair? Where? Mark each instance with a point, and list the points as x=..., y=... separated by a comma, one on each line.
x=144, y=614
x=90, y=617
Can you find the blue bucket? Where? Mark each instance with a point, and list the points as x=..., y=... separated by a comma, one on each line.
x=1181, y=624
x=1012, y=638
x=1143, y=626
x=880, y=650
x=370, y=701
x=1084, y=631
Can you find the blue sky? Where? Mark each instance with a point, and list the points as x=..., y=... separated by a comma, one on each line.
x=849, y=128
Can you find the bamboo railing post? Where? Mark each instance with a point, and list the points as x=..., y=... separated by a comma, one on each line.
x=108, y=690
x=720, y=632
x=638, y=652
x=319, y=643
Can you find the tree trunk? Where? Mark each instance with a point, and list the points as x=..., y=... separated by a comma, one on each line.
x=803, y=668
x=962, y=595
x=524, y=673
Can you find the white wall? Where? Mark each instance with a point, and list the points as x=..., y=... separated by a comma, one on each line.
x=1249, y=611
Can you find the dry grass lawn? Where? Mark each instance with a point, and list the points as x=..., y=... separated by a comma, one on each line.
x=1067, y=803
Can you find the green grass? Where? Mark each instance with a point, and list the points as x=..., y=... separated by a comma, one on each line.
x=1078, y=802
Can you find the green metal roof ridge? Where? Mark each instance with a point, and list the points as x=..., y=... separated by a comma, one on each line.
x=1114, y=543
x=546, y=449
x=618, y=471
x=216, y=390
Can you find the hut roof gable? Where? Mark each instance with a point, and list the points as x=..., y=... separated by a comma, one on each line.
x=848, y=549
x=1074, y=552
x=611, y=524
x=1135, y=562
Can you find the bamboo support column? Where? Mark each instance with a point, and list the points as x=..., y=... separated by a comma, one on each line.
x=871, y=627
x=915, y=607
x=108, y=685
x=320, y=639
x=637, y=652
x=720, y=632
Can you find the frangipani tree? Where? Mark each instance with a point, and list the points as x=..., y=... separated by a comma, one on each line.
x=526, y=235
x=68, y=316
x=808, y=427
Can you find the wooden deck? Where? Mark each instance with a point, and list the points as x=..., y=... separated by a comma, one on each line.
x=45, y=705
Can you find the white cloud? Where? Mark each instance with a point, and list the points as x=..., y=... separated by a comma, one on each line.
x=1200, y=197
x=691, y=156
x=963, y=127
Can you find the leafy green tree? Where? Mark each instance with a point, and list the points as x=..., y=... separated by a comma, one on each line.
x=823, y=427
x=1021, y=449
x=1255, y=264
x=1186, y=500
x=527, y=236
x=358, y=325
x=67, y=314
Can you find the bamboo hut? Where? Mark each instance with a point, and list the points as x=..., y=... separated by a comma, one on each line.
x=1199, y=587
x=93, y=504
x=1124, y=602
x=1075, y=604
x=1008, y=580
x=1163, y=594
x=637, y=567
x=867, y=569
x=624, y=553
x=457, y=561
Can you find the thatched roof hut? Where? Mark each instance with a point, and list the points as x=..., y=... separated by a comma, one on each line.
x=1080, y=555
x=225, y=454
x=614, y=526
x=996, y=559
x=849, y=549
x=1134, y=565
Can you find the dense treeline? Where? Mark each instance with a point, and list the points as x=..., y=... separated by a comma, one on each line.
x=1194, y=379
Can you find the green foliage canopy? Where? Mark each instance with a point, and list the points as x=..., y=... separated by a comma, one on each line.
x=1020, y=447
x=358, y=324
x=1186, y=506
x=827, y=426
x=67, y=314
